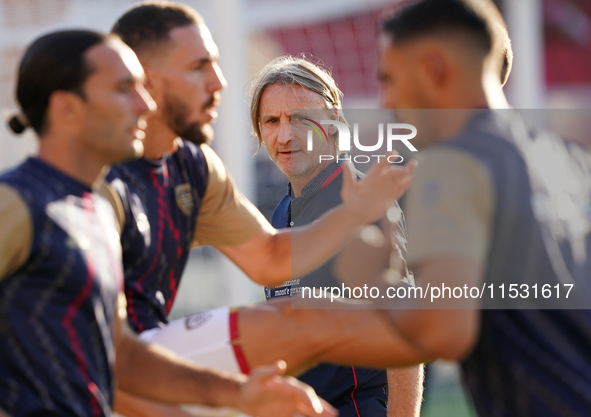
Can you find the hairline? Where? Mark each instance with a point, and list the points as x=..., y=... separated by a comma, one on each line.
x=442, y=33
x=157, y=47
x=90, y=67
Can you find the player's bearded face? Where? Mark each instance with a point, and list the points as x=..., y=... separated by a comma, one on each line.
x=177, y=114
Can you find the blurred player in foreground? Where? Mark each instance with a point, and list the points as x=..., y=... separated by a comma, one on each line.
x=63, y=331
x=482, y=211
x=283, y=92
x=181, y=195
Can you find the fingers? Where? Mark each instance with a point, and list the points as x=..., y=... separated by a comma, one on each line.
x=270, y=394
x=411, y=166
x=325, y=410
x=328, y=410
x=263, y=373
x=307, y=402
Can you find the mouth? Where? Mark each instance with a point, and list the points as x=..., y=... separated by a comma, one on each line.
x=211, y=113
x=210, y=108
x=289, y=152
x=137, y=130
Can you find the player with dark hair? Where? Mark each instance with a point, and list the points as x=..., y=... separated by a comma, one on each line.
x=190, y=197
x=63, y=330
x=481, y=210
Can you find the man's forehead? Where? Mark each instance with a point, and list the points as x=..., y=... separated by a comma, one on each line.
x=129, y=57
x=115, y=56
x=294, y=93
x=194, y=39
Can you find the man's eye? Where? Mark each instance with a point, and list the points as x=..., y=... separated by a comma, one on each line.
x=201, y=66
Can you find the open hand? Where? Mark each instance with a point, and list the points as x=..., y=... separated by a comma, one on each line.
x=268, y=394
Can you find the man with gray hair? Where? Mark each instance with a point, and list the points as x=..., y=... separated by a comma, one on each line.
x=285, y=91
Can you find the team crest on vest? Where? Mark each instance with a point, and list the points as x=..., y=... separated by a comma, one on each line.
x=184, y=198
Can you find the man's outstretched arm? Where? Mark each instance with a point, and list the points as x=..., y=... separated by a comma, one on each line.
x=272, y=257
x=153, y=372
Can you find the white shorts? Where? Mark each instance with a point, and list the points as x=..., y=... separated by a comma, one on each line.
x=204, y=338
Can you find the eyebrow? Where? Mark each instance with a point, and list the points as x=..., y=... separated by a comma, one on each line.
x=205, y=60
x=266, y=117
x=200, y=61
x=132, y=80
x=300, y=112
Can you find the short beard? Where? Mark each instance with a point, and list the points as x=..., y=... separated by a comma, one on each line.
x=176, y=113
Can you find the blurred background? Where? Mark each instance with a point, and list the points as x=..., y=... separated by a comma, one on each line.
x=552, y=69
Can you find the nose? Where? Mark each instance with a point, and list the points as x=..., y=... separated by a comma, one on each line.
x=144, y=104
x=217, y=82
x=284, y=134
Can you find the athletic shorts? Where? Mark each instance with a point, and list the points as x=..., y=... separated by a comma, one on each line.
x=206, y=339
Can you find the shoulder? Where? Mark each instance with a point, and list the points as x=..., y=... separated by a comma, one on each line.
x=490, y=137
x=191, y=150
x=16, y=230
x=213, y=161
x=19, y=177
x=192, y=160
x=11, y=201
x=108, y=192
x=23, y=186
x=448, y=176
x=449, y=206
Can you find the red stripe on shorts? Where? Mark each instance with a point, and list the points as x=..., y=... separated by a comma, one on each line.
x=241, y=359
x=238, y=352
x=352, y=392
x=234, y=334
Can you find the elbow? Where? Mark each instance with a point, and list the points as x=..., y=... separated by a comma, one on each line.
x=451, y=337
x=269, y=279
x=267, y=274
x=453, y=345
x=273, y=264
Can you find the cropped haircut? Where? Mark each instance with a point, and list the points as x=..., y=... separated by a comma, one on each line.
x=288, y=71
x=53, y=62
x=480, y=19
x=147, y=26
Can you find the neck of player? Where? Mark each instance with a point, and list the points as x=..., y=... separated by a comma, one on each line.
x=73, y=159
x=159, y=139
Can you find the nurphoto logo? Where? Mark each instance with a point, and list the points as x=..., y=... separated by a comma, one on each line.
x=393, y=132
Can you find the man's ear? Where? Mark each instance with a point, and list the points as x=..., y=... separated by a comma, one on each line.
x=154, y=83
x=435, y=68
x=65, y=108
x=334, y=115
